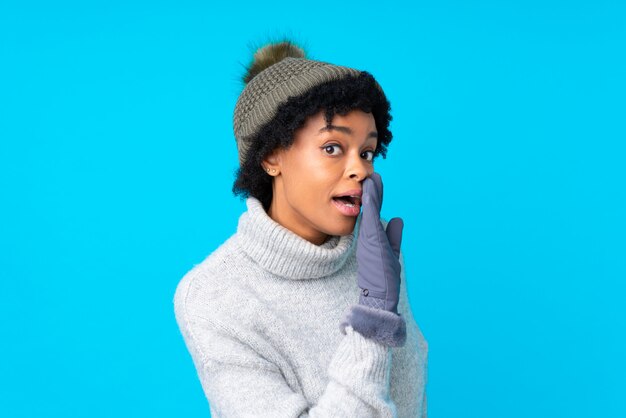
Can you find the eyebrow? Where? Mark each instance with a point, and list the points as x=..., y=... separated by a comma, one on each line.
x=345, y=130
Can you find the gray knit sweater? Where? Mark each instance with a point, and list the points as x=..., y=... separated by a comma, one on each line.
x=260, y=317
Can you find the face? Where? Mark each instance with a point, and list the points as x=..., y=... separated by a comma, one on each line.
x=323, y=162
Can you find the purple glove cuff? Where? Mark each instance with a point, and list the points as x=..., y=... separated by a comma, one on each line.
x=387, y=305
x=383, y=326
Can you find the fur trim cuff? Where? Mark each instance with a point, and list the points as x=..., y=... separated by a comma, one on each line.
x=383, y=326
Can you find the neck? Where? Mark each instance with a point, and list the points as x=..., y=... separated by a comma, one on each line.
x=282, y=252
x=281, y=214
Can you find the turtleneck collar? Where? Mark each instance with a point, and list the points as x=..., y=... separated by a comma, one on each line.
x=282, y=252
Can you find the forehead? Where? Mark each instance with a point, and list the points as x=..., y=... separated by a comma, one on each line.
x=355, y=117
x=356, y=123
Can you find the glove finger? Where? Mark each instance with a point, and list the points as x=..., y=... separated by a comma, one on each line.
x=370, y=212
x=378, y=183
x=394, y=234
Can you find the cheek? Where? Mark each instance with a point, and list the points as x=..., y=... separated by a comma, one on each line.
x=311, y=188
x=310, y=178
x=310, y=171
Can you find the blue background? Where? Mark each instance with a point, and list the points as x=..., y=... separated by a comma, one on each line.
x=117, y=159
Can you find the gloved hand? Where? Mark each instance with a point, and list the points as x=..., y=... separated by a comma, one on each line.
x=378, y=251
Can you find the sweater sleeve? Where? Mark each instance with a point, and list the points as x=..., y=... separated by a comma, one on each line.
x=239, y=382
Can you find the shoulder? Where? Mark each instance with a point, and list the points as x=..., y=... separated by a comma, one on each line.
x=204, y=287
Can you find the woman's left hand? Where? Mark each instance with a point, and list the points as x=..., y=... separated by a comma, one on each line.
x=378, y=251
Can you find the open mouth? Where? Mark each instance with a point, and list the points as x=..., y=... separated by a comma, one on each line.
x=349, y=201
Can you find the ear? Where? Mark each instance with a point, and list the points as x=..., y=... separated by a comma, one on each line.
x=272, y=162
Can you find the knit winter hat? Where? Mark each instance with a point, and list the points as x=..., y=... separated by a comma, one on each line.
x=278, y=71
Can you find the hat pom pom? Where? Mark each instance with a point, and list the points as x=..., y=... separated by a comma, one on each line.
x=269, y=55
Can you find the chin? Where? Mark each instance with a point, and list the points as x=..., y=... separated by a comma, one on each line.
x=345, y=229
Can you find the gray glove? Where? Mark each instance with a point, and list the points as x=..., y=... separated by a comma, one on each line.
x=378, y=251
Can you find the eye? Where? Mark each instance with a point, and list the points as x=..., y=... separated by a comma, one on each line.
x=371, y=155
x=329, y=151
x=331, y=147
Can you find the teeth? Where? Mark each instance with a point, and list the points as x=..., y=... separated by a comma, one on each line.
x=344, y=203
x=355, y=198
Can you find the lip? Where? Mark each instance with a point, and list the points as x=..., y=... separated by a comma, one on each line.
x=353, y=192
x=346, y=210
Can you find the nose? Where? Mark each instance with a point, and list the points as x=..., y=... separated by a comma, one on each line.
x=358, y=168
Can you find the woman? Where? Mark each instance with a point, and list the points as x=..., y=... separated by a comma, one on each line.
x=299, y=312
